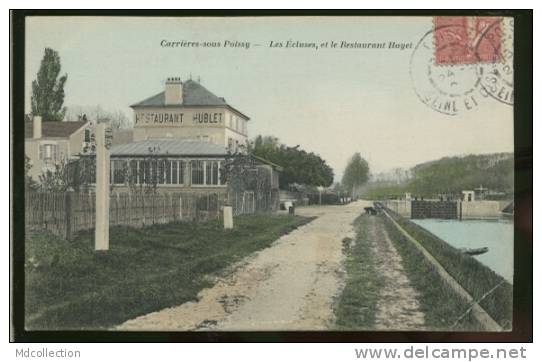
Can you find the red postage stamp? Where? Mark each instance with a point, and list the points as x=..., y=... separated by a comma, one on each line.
x=467, y=39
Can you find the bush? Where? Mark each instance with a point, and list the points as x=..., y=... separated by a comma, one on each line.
x=327, y=199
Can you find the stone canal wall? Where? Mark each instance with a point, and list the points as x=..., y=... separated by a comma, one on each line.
x=480, y=210
x=401, y=207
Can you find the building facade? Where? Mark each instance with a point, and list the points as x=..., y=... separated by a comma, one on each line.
x=49, y=143
x=181, y=139
x=187, y=110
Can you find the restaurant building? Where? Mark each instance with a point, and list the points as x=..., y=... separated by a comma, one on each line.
x=187, y=110
x=181, y=138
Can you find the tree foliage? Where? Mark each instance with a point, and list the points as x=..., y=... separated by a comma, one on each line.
x=240, y=172
x=453, y=174
x=299, y=166
x=356, y=174
x=57, y=179
x=48, y=89
x=29, y=182
x=116, y=117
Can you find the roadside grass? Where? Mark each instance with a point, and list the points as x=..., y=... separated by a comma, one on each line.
x=70, y=286
x=441, y=306
x=356, y=306
x=472, y=275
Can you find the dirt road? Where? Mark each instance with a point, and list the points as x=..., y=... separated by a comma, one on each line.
x=288, y=286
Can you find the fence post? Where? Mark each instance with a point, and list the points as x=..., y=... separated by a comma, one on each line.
x=117, y=221
x=164, y=208
x=153, y=207
x=143, y=210
x=180, y=208
x=41, y=198
x=68, y=213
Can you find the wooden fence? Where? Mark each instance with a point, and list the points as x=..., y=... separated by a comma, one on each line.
x=67, y=213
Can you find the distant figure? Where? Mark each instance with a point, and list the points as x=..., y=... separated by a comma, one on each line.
x=370, y=210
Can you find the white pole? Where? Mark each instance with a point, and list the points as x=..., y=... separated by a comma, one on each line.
x=102, y=189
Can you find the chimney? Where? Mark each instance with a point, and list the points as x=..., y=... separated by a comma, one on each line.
x=174, y=91
x=36, y=120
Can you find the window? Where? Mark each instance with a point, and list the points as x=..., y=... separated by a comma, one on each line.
x=144, y=172
x=119, y=171
x=48, y=152
x=134, y=171
x=230, y=144
x=175, y=172
x=237, y=123
x=160, y=171
x=211, y=173
x=205, y=172
x=182, y=168
x=167, y=172
x=198, y=173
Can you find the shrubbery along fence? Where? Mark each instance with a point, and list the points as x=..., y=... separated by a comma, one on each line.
x=66, y=213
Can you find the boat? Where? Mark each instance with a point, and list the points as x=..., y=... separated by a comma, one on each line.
x=475, y=251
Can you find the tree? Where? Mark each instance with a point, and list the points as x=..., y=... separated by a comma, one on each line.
x=57, y=179
x=356, y=174
x=240, y=172
x=48, y=89
x=117, y=118
x=29, y=182
x=299, y=166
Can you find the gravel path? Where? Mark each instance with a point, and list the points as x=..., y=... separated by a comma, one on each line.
x=398, y=307
x=288, y=286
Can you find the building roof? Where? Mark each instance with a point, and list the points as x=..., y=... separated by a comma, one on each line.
x=267, y=162
x=53, y=129
x=194, y=95
x=168, y=147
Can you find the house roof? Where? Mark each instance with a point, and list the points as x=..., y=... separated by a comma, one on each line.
x=53, y=129
x=267, y=162
x=194, y=95
x=168, y=147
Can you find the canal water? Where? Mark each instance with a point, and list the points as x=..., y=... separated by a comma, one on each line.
x=497, y=235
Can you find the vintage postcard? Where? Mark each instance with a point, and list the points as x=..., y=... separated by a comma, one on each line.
x=294, y=173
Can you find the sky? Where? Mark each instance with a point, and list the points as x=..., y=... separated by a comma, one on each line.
x=333, y=102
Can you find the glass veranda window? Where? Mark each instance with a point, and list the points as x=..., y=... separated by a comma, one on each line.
x=119, y=171
x=198, y=172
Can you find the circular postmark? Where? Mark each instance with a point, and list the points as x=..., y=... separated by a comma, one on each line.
x=446, y=88
x=497, y=77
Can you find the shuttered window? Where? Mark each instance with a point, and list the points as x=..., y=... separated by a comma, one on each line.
x=48, y=152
